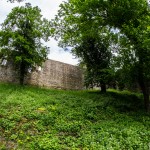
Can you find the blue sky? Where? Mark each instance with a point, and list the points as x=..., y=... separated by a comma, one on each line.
x=49, y=10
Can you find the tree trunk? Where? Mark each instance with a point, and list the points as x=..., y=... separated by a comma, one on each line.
x=146, y=100
x=22, y=73
x=103, y=87
x=145, y=89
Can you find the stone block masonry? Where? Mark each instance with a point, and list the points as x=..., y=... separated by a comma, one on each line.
x=52, y=74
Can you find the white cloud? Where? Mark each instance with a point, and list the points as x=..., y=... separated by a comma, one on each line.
x=65, y=57
x=49, y=9
x=57, y=53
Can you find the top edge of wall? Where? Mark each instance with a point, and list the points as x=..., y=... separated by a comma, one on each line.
x=62, y=62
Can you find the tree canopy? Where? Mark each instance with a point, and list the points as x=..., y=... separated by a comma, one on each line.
x=21, y=38
x=95, y=53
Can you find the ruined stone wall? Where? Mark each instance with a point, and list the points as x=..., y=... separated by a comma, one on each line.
x=53, y=74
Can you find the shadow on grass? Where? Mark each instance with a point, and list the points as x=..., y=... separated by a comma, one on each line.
x=127, y=101
x=122, y=101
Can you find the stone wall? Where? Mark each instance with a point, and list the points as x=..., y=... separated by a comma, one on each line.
x=53, y=74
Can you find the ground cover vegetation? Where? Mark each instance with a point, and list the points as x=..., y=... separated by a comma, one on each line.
x=44, y=119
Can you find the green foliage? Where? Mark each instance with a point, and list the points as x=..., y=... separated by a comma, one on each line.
x=91, y=42
x=21, y=38
x=136, y=56
x=42, y=119
x=95, y=55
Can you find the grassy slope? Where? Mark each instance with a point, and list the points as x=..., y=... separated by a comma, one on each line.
x=34, y=118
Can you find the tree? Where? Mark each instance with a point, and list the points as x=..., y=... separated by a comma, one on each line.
x=21, y=38
x=90, y=41
x=130, y=17
x=95, y=54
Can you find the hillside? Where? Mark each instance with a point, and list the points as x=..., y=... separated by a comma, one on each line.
x=43, y=119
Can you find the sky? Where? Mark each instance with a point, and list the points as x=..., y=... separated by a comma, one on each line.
x=49, y=9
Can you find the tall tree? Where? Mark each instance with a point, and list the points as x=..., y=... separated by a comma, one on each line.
x=95, y=54
x=90, y=41
x=21, y=38
x=132, y=18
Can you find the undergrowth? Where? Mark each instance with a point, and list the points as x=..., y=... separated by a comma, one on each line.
x=42, y=119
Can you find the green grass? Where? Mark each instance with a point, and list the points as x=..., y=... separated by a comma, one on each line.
x=42, y=119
